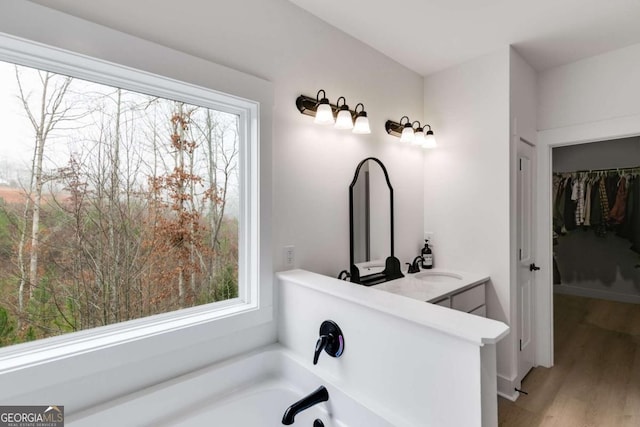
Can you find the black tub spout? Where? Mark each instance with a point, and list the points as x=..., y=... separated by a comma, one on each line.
x=318, y=396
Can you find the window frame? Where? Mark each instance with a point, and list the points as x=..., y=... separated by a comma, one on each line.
x=251, y=308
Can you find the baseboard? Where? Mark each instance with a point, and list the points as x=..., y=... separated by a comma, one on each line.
x=595, y=293
x=507, y=388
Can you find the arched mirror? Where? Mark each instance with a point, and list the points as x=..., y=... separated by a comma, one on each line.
x=371, y=225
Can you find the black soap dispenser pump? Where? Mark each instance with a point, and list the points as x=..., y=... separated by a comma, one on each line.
x=427, y=256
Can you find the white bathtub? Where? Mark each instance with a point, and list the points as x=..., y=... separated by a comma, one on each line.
x=248, y=391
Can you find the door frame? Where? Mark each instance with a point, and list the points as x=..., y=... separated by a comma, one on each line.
x=621, y=127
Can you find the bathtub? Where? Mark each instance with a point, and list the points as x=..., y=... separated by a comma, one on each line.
x=248, y=391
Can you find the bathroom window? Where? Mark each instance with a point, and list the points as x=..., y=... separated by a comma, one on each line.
x=128, y=201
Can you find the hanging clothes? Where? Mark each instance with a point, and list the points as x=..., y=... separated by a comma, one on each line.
x=635, y=221
x=604, y=201
x=626, y=228
x=570, y=205
x=587, y=203
x=579, y=201
x=596, y=209
x=558, y=203
x=618, y=210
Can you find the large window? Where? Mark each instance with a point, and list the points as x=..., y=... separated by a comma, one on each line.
x=117, y=204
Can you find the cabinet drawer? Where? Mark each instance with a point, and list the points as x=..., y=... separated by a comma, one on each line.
x=480, y=311
x=445, y=302
x=468, y=300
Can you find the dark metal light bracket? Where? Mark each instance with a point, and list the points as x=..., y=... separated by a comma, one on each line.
x=393, y=128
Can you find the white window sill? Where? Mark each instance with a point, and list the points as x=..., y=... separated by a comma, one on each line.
x=222, y=319
x=88, y=367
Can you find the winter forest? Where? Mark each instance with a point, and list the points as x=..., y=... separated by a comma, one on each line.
x=114, y=205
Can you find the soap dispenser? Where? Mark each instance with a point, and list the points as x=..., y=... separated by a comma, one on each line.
x=427, y=256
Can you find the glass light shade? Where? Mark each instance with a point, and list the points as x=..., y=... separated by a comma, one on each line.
x=407, y=134
x=344, y=120
x=324, y=115
x=362, y=125
x=418, y=138
x=429, y=141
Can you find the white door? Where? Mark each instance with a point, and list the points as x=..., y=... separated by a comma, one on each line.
x=526, y=264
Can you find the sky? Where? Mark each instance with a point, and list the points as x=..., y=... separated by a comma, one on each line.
x=15, y=145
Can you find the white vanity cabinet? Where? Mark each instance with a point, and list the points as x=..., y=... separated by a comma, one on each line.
x=469, y=299
x=452, y=289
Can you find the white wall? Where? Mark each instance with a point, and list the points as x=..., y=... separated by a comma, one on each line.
x=523, y=98
x=590, y=100
x=313, y=166
x=598, y=88
x=467, y=193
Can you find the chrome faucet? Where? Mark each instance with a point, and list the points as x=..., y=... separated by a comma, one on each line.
x=318, y=396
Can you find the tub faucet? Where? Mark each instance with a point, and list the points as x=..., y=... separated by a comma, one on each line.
x=318, y=396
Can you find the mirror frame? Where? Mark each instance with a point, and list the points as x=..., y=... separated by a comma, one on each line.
x=392, y=264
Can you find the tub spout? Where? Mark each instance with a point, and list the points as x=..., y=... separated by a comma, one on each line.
x=318, y=396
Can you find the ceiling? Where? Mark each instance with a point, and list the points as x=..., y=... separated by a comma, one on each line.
x=424, y=35
x=430, y=35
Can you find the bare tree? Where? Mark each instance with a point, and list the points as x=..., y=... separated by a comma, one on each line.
x=220, y=137
x=51, y=110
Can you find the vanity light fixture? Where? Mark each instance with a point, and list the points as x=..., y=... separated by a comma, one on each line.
x=344, y=119
x=418, y=136
x=407, y=133
x=429, y=139
x=340, y=114
x=362, y=122
x=324, y=112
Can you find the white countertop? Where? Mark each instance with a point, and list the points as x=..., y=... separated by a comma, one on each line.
x=431, y=285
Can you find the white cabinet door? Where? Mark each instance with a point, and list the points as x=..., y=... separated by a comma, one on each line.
x=468, y=300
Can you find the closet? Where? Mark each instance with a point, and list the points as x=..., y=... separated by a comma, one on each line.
x=596, y=219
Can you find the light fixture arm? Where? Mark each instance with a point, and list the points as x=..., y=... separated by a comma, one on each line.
x=324, y=97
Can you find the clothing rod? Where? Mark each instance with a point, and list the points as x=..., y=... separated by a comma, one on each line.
x=633, y=168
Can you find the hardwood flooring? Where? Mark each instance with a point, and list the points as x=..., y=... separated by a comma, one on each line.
x=595, y=381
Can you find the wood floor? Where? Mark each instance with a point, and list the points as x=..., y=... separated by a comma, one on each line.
x=595, y=381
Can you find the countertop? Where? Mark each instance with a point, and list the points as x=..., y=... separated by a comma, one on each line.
x=474, y=329
x=431, y=285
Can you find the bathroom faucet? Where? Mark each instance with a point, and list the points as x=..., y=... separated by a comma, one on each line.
x=415, y=267
x=318, y=396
